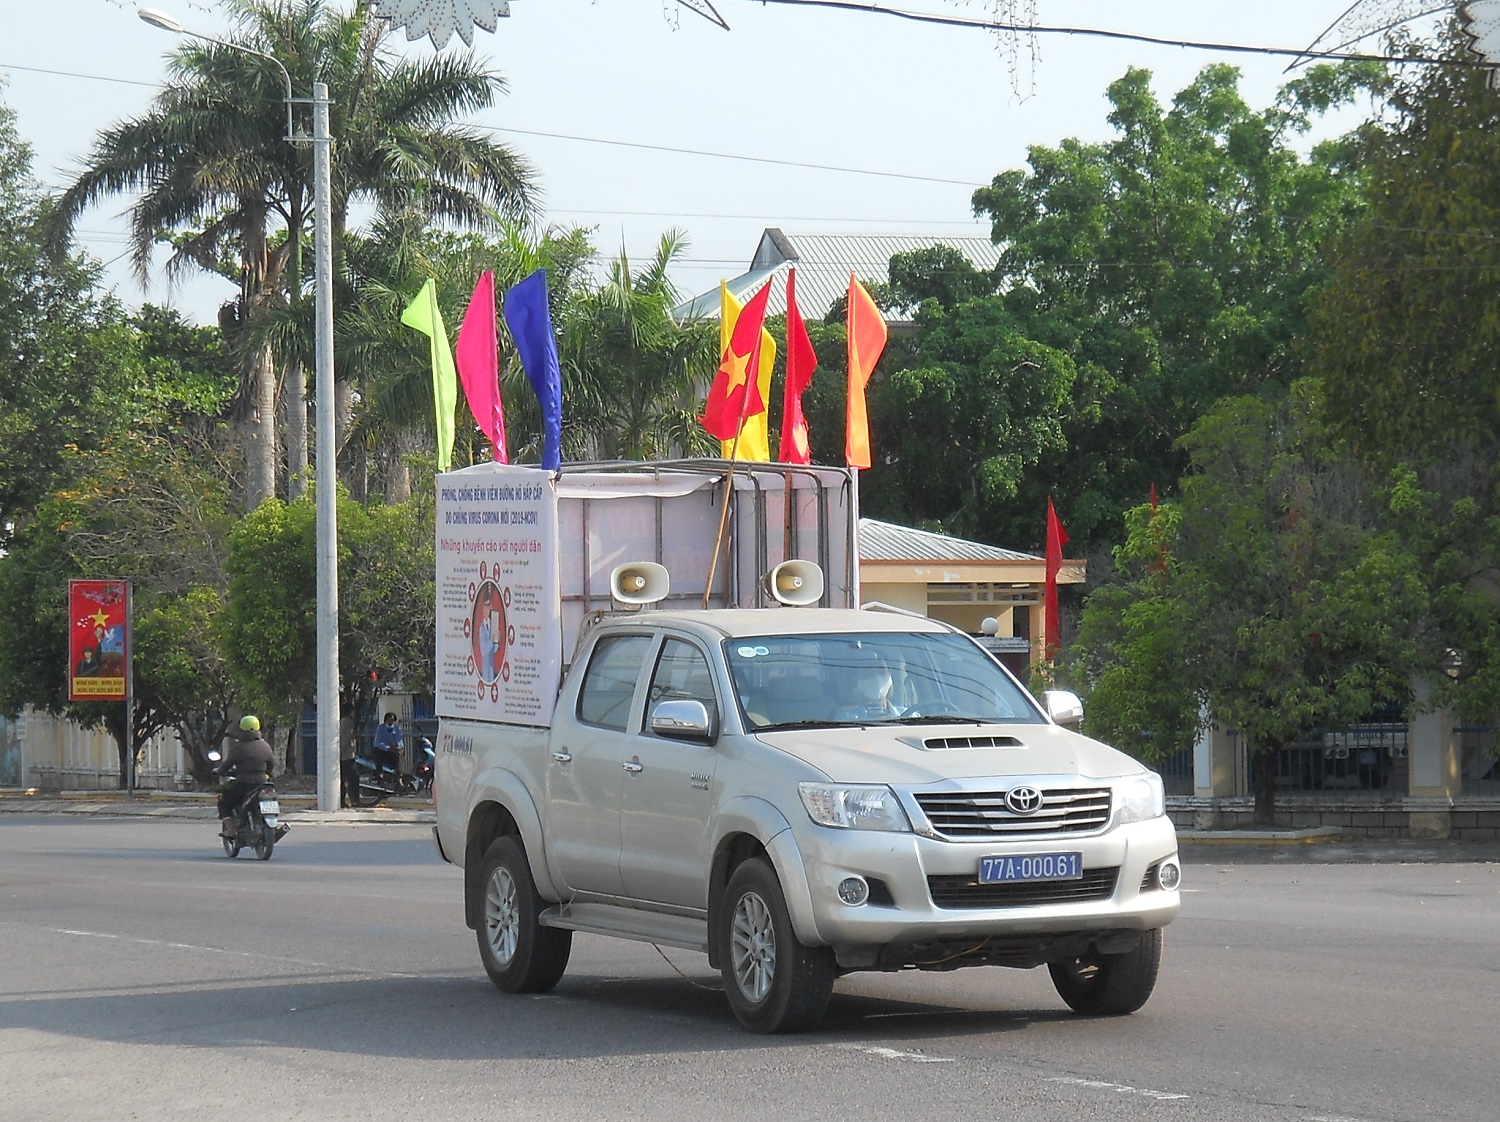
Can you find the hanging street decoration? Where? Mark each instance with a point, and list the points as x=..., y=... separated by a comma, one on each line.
x=439, y=19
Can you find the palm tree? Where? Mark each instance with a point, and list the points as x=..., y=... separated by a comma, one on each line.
x=630, y=370
x=212, y=170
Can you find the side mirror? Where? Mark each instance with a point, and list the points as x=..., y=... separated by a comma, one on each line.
x=681, y=720
x=1064, y=707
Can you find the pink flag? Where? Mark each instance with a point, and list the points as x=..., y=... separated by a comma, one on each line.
x=478, y=355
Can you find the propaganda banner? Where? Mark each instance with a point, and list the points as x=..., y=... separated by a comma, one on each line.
x=98, y=639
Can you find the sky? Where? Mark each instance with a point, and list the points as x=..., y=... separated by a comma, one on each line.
x=639, y=116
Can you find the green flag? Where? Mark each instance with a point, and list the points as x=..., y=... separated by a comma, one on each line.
x=422, y=314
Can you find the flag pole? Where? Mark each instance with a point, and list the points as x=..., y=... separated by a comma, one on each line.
x=734, y=455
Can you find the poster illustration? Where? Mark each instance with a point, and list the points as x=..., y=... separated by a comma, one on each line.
x=98, y=639
x=498, y=631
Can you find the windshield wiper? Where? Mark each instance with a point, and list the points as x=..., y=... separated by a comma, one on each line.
x=943, y=719
x=779, y=726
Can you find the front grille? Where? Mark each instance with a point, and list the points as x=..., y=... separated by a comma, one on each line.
x=966, y=892
x=1064, y=810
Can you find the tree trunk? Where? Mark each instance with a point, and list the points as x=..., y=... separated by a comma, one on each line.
x=397, y=471
x=1265, y=786
x=294, y=402
x=260, y=433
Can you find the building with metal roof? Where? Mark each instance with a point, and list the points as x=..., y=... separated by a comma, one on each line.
x=823, y=263
x=961, y=582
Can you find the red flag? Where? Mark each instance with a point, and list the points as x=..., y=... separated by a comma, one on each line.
x=867, y=333
x=801, y=361
x=734, y=394
x=478, y=354
x=1056, y=539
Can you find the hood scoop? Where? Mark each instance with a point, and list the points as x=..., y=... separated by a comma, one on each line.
x=938, y=743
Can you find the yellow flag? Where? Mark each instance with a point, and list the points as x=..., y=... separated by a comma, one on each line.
x=422, y=315
x=754, y=439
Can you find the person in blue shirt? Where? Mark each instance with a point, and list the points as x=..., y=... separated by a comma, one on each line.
x=387, y=745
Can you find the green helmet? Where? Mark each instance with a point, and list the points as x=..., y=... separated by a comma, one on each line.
x=250, y=723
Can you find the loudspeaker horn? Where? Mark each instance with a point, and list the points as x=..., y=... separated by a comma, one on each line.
x=639, y=582
x=796, y=583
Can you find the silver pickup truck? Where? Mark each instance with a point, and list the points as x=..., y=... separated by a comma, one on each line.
x=800, y=793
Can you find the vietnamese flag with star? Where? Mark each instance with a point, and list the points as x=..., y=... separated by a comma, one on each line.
x=735, y=394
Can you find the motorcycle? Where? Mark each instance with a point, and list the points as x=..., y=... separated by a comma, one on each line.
x=256, y=819
x=379, y=781
x=421, y=775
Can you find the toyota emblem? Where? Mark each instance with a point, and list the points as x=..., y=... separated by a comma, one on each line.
x=1023, y=800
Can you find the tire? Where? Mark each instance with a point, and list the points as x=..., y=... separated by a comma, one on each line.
x=265, y=841
x=231, y=846
x=774, y=982
x=1110, y=985
x=519, y=954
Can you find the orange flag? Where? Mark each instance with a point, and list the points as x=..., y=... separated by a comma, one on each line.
x=867, y=334
x=734, y=394
x=801, y=361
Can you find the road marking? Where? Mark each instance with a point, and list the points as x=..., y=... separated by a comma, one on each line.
x=208, y=950
x=894, y=1054
x=1118, y=1088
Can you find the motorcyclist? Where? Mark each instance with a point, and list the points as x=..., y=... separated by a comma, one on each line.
x=247, y=764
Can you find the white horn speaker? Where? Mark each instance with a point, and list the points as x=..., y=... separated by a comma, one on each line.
x=796, y=583
x=639, y=582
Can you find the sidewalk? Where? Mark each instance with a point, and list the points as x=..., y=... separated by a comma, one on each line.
x=297, y=808
x=1325, y=846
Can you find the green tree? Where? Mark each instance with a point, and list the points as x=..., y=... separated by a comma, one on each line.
x=211, y=166
x=632, y=376
x=66, y=352
x=1174, y=264
x=153, y=509
x=1288, y=602
x=386, y=606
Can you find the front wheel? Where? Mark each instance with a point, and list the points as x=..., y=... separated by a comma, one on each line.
x=519, y=954
x=1110, y=985
x=231, y=846
x=774, y=982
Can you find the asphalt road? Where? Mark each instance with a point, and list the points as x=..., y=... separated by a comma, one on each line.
x=143, y=975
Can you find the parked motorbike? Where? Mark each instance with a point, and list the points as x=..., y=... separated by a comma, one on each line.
x=421, y=772
x=257, y=821
x=379, y=781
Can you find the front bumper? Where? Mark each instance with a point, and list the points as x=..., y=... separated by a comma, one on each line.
x=901, y=925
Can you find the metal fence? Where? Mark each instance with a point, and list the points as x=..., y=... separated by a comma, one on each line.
x=1480, y=764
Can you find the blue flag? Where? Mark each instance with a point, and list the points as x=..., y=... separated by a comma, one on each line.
x=531, y=327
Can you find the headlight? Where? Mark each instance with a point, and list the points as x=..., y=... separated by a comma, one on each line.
x=853, y=808
x=1141, y=798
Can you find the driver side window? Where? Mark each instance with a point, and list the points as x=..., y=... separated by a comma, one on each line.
x=682, y=674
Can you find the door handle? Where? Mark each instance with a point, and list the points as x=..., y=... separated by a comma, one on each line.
x=634, y=765
x=563, y=756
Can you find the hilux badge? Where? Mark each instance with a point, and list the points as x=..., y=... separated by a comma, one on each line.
x=1023, y=800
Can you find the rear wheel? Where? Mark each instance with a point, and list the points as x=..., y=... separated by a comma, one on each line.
x=519, y=954
x=265, y=841
x=1110, y=984
x=774, y=982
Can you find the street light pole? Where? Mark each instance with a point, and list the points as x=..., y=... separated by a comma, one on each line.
x=327, y=461
x=327, y=453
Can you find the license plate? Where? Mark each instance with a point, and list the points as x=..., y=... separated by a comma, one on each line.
x=1032, y=866
x=268, y=807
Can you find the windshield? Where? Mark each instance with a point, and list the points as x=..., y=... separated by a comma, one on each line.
x=806, y=681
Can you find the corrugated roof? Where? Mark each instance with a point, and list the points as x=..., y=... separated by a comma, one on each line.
x=823, y=264
x=884, y=541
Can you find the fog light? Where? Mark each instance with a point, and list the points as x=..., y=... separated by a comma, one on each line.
x=1169, y=875
x=854, y=891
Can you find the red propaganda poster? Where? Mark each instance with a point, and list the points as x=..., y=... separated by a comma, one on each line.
x=98, y=639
